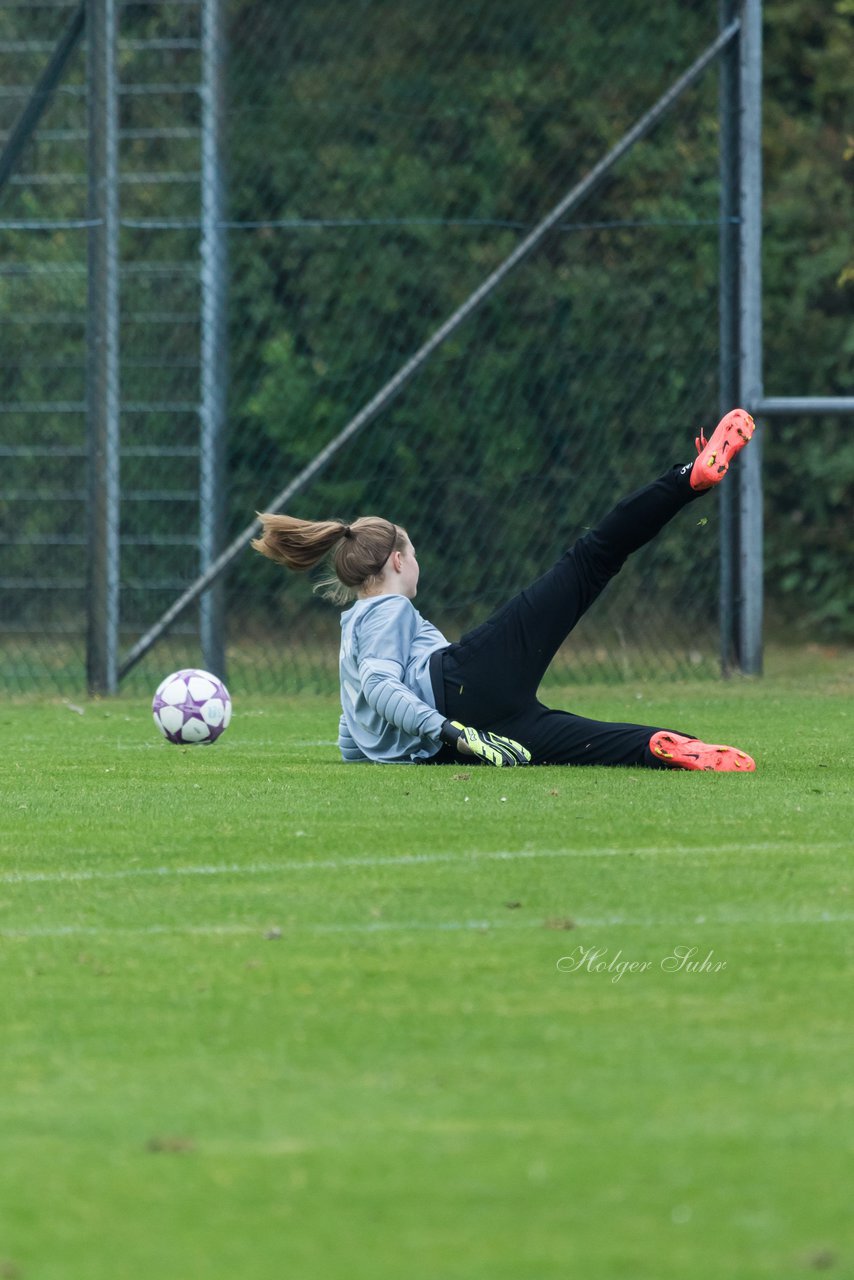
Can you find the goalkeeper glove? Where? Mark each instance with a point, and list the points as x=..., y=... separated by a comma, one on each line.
x=492, y=748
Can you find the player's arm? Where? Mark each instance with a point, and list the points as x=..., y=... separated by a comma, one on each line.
x=384, y=643
x=385, y=693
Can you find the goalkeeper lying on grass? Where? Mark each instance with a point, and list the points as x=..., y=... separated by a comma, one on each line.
x=408, y=696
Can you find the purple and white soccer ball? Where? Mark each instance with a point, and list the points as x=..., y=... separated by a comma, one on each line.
x=191, y=706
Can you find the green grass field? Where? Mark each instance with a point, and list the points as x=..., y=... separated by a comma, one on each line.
x=264, y=1015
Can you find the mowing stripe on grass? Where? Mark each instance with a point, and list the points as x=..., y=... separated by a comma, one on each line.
x=399, y=860
x=269, y=933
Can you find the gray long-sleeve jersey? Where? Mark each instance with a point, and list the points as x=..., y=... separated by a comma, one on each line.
x=388, y=712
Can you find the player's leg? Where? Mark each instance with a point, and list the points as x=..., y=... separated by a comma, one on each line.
x=496, y=669
x=559, y=737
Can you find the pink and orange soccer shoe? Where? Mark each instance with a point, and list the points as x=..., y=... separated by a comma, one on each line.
x=690, y=753
x=731, y=434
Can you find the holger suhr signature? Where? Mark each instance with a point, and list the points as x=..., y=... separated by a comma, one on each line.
x=681, y=959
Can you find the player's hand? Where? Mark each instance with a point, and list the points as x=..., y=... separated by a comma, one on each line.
x=492, y=748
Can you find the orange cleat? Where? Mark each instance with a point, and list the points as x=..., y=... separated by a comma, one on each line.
x=731, y=434
x=690, y=753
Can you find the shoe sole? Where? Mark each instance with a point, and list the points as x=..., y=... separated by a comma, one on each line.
x=730, y=435
x=690, y=753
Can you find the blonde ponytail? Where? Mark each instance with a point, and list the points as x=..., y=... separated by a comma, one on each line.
x=358, y=551
x=297, y=544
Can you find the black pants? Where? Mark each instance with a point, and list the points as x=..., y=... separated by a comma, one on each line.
x=489, y=678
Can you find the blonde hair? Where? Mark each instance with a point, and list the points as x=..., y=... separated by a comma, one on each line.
x=357, y=551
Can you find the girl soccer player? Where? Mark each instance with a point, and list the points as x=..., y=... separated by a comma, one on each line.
x=409, y=696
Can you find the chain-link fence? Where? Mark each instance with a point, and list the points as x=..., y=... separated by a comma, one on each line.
x=306, y=192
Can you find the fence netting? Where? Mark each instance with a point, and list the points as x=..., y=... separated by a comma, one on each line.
x=378, y=161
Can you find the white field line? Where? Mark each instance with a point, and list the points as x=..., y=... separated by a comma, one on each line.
x=312, y=928
x=258, y=930
x=287, y=866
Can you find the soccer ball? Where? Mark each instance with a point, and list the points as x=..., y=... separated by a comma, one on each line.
x=191, y=706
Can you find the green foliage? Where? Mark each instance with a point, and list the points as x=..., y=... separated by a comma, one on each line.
x=809, y=303
x=383, y=159
x=615, y=325
x=810, y=466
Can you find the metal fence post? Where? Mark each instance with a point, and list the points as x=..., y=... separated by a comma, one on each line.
x=728, y=87
x=102, y=390
x=750, y=336
x=213, y=334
